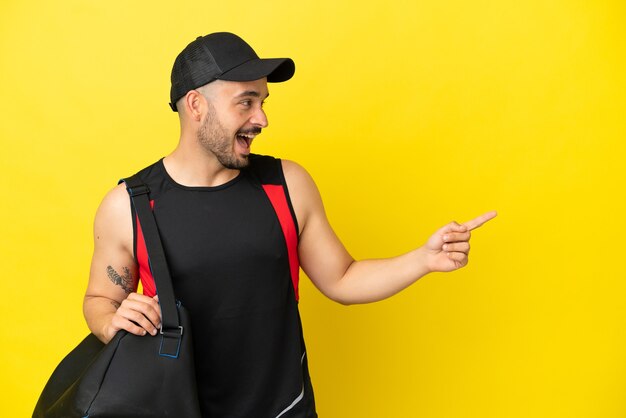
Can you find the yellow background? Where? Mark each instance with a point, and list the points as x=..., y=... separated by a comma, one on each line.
x=408, y=114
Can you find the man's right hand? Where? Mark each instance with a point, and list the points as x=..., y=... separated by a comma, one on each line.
x=138, y=314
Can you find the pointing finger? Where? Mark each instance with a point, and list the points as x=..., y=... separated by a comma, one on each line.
x=476, y=222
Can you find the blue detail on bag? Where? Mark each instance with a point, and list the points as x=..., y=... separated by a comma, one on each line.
x=171, y=334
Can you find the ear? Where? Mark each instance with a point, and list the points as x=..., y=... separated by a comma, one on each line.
x=194, y=103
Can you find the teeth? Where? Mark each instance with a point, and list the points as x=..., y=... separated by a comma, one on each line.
x=248, y=136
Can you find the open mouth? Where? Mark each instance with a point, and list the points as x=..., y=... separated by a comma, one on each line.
x=244, y=139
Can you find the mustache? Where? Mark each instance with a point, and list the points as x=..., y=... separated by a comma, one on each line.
x=255, y=131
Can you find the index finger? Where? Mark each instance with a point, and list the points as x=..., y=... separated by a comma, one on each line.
x=476, y=222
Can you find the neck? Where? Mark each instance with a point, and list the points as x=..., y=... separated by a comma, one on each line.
x=193, y=166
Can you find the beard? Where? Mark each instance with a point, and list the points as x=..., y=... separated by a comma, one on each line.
x=214, y=137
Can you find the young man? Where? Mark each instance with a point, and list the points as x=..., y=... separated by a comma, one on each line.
x=233, y=256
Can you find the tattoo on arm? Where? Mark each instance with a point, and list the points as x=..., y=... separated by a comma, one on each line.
x=126, y=281
x=115, y=303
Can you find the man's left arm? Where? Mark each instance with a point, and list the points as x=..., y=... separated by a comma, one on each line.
x=338, y=276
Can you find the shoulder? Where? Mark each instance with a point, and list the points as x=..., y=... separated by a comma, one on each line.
x=305, y=197
x=115, y=202
x=297, y=175
x=113, y=221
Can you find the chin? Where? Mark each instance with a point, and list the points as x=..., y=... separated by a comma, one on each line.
x=237, y=163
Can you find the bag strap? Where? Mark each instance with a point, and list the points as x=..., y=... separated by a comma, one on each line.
x=171, y=330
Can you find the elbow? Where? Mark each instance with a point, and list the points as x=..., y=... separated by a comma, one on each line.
x=343, y=298
x=352, y=300
x=347, y=296
x=342, y=301
x=337, y=296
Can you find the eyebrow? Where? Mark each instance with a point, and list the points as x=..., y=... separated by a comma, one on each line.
x=252, y=93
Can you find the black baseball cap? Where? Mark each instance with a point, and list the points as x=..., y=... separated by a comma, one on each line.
x=223, y=56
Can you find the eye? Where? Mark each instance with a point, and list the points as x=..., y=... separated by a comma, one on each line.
x=246, y=103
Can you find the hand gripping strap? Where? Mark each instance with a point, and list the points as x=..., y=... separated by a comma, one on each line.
x=171, y=330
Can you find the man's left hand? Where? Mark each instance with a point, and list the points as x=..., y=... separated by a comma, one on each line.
x=448, y=248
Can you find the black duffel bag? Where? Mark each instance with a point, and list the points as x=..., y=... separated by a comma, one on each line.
x=131, y=376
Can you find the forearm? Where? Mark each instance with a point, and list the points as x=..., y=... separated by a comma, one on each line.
x=98, y=312
x=377, y=279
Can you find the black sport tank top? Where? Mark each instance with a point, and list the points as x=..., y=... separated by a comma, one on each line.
x=230, y=268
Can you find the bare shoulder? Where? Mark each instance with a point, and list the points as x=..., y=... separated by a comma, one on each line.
x=305, y=197
x=299, y=181
x=113, y=222
x=115, y=204
x=294, y=171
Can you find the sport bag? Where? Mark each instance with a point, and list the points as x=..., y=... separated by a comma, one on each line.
x=131, y=376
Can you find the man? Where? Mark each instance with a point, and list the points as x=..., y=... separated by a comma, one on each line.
x=231, y=258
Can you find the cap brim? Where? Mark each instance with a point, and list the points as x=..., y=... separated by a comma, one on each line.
x=275, y=69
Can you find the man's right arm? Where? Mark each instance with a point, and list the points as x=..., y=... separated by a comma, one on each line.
x=111, y=302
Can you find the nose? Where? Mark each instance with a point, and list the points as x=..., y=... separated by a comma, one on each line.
x=259, y=118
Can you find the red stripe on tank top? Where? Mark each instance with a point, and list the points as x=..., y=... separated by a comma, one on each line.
x=276, y=194
x=145, y=274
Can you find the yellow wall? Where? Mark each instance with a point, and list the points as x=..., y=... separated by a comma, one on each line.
x=409, y=114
